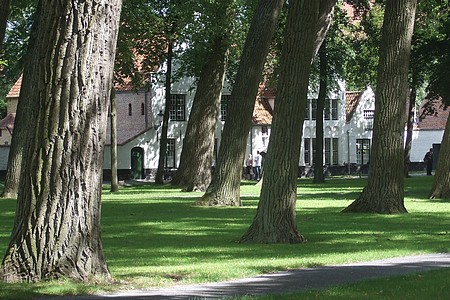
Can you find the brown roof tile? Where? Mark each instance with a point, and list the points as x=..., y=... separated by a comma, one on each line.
x=127, y=85
x=15, y=90
x=351, y=103
x=262, y=113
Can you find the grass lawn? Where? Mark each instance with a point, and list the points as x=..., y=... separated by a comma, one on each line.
x=153, y=236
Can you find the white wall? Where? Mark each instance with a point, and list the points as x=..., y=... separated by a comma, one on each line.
x=422, y=141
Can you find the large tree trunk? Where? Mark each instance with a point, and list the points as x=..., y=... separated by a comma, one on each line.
x=194, y=171
x=384, y=192
x=22, y=123
x=321, y=98
x=113, y=118
x=410, y=124
x=57, y=226
x=275, y=220
x=225, y=186
x=159, y=177
x=441, y=183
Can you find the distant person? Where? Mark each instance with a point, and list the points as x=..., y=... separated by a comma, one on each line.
x=428, y=160
x=249, y=166
x=257, y=166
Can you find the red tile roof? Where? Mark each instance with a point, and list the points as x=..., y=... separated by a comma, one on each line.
x=15, y=90
x=351, y=103
x=262, y=113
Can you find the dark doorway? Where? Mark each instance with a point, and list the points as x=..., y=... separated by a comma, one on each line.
x=137, y=163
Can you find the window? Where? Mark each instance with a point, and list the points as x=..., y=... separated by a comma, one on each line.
x=368, y=119
x=130, y=111
x=178, y=107
x=313, y=109
x=308, y=110
x=265, y=135
x=335, y=151
x=309, y=143
x=142, y=109
x=307, y=151
x=170, y=154
x=331, y=109
x=224, y=106
x=362, y=151
x=331, y=151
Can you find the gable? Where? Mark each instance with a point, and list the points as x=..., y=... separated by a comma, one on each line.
x=15, y=89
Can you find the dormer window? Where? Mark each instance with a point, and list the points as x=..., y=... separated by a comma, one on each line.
x=368, y=119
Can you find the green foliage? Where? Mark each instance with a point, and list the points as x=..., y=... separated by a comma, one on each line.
x=2, y=109
x=339, y=50
x=141, y=43
x=198, y=36
x=152, y=235
x=361, y=68
x=15, y=44
x=430, y=50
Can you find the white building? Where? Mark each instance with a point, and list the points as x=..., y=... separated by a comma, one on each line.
x=348, y=122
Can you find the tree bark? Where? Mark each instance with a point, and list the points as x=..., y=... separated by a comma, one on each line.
x=23, y=121
x=384, y=192
x=441, y=183
x=225, y=186
x=113, y=118
x=194, y=171
x=159, y=177
x=318, y=159
x=410, y=124
x=57, y=226
x=275, y=220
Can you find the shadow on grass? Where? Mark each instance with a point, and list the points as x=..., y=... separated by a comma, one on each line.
x=153, y=230
x=176, y=233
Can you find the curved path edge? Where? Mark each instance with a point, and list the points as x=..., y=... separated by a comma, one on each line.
x=288, y=281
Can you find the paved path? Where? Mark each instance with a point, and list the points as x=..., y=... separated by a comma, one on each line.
x=289, y=281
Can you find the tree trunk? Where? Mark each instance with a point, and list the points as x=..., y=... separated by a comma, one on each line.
x=194, y=171
x=410, y=124
x=441, y=183
x=275, y=220
x=113, y=117
x=384, y=192
x=4, y=15
x=57, y=226
x=225, y=186
x=159, y=178
x=24, y=118
x=318, y=159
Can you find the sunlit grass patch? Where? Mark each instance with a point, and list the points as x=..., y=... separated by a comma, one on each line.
x=154, y=235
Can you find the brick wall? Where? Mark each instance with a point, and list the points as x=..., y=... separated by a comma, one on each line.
x=133, y=115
